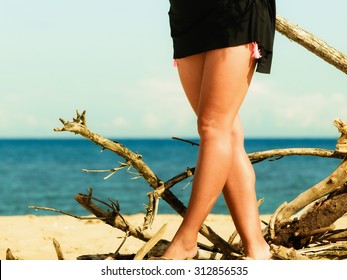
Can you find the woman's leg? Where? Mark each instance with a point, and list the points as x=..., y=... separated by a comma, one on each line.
x=215, y=83
x=240, y=196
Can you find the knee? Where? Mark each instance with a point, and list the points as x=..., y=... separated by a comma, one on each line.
x=210, y=128
x=237, y=136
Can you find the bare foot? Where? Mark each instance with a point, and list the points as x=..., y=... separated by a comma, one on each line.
x=180, y=250
x=260, y=252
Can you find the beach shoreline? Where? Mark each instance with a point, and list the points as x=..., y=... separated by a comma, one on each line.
x=31, y=237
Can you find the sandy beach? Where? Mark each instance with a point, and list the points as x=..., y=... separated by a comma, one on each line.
x=30, y=237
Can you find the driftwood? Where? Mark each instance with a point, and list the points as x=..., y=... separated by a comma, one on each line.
x=283, y=253
x=161, y=189
x=312, y=43
x=9, y=255
x=337, y=179
x=324, y=203
x=150, y=244
x=58, y=250
x=316, y=224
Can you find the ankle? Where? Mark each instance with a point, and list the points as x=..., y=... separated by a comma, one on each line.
x=258, y=251
x=181, y=248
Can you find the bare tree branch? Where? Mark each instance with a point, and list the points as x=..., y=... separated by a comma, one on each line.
x=312, y=43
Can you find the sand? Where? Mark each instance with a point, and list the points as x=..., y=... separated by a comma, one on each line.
x=30, y=237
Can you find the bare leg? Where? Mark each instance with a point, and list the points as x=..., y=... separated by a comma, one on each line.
x=240, y=196
x=216, y=83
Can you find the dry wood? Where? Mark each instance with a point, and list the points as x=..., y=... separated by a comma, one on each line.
x=151, y=243
x=260, y=156
x=161, y=189
x=323, y=215
x=336, y=236
x=78, y=126
x=107, y=256
x=9, y=255
x=313, y=232
x=112, y=171
x=284, y=253
x=186, y=141
x=58, y=249
x=280, y=153
x=334, y=181
x=273, y=220
x=328, y=251
x=152, y=207
x=337, y=179
x=204, y=252
x=233, y=236
x=180, y=177
x=312, y=43
x=341, y=145
x=63, y=212
x=112, y=218
x=313, y=224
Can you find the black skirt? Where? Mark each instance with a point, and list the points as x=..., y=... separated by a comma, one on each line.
x=201, y=25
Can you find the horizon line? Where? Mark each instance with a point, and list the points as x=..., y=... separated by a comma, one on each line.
x=171, y=138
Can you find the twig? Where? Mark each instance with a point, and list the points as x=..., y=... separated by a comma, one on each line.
x=338, y=249
x=233, y=236
x=186, y=141
x=277, y=154
x=78, y=126
x=152, y=207
x=284, y=253
x=111, y=218
x=341, y=145
x=122, y=243
x=58, y=249
x=180, y=177
x=339, y=153
x=112, y=171
x=186, y=185
x=273, y=220
x=315, y=231
x=151, y=243
x=9, y=255
x=64, y=213
x=336, y=236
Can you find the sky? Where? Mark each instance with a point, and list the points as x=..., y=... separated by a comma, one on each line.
x=114, y=59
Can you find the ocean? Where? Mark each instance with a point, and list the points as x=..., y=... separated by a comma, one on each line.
x=48, y=173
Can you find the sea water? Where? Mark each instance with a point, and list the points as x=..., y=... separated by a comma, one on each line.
x=48, y=172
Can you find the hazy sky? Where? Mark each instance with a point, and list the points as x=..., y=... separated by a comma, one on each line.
x=114, y=59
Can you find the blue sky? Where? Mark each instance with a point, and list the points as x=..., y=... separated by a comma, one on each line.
x=114, y=59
